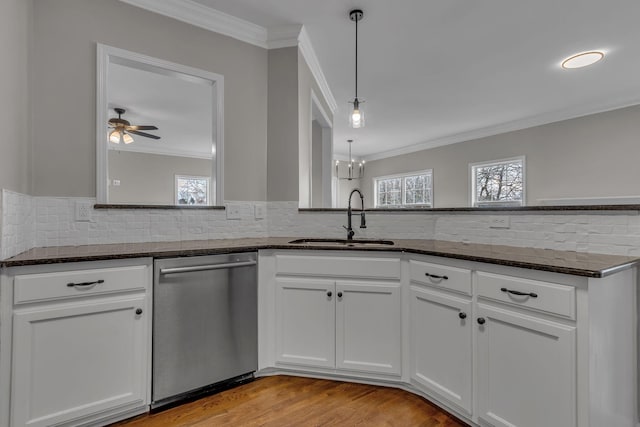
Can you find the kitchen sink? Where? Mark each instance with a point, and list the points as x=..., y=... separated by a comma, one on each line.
x=341, y=242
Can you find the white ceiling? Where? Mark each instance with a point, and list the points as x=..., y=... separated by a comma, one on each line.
x=437, y=72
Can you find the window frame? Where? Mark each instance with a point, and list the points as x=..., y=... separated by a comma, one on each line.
x=497, y=203
x=403, y=194
x=176, y=192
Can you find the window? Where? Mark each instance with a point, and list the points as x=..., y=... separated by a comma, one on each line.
x=192, y=190
x=410, y=190
x=498, y=183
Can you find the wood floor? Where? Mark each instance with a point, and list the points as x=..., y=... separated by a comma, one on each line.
x=281, y=401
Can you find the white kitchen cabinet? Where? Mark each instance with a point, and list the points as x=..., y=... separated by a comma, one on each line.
x=441, y=346
x=565, y=357
x=352, y=326
x=368, y=327
x=305, y=319
x=81, y=343
x=351, y=323
x=526, y=369
x=441, y=332
x=526, y=343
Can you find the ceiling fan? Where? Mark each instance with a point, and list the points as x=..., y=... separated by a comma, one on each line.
x=122, y=129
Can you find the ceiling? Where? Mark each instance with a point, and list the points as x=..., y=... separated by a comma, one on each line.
x=438, y=72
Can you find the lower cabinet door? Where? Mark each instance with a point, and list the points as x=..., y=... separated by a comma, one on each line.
x=526, y=370
x=368, y=327
x=441, y=346
x=72, y=361
x=305, y=322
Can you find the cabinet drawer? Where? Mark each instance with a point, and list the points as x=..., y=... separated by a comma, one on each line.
x=373, y=267
x=441, y=276
x=57, y=285
x=539, y=296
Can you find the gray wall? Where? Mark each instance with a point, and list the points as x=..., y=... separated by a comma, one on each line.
x=282, y=155
x=306, y=84
x=147, y=178
x=63, y=101
x=591, y=156
x=15, y=34
x=316, y=164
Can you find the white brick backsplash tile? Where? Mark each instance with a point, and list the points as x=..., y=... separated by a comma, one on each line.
x=17, y=226
x=50, y=221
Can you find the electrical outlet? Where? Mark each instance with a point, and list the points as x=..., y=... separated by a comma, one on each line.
x=499, y=221
x=259, y=211
x=233, y=211
x=116, y=182
x=83, y=211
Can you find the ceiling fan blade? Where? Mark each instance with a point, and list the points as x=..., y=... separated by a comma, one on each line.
x=146, y=135
x=134, y=127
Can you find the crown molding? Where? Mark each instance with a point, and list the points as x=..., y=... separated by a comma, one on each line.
x=205, y=17
x=525, y=123
x=306, y=48
x=283, y=36
x=173, y=152
x=219, y=22
x=346, y=158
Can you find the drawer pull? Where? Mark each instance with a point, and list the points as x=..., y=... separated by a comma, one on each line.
x=433, y=276
x=529, y=294
x=462, y=315
x=84, y=284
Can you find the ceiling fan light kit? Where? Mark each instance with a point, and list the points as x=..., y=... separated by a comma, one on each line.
x=126, y=138
x=114, y=137
x=356, y=116
x=122, y=129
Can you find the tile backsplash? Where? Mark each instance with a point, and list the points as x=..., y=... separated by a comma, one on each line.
x=17, y=225
x=50, y=221
x=603, y=232
x=56, y=224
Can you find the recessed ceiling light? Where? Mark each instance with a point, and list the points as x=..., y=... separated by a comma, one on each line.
x=583, y=59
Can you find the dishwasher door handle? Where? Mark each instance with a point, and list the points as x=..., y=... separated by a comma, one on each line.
x=206, y=267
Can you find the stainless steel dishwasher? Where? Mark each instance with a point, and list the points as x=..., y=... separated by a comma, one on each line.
x=204, y=324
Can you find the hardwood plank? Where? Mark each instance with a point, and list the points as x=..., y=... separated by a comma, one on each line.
x=284, y=401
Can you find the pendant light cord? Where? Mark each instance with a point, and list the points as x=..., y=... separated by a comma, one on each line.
x=356, y=56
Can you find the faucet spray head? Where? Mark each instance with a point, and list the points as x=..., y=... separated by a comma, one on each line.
x=363, y=221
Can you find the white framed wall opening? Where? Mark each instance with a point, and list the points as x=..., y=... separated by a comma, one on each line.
x=498, y=182
x=185, y=105
x=409, y=190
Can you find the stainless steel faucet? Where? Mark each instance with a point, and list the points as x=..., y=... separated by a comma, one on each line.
x=363, y=222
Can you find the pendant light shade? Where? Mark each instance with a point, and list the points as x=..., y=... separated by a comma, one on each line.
x=356, y=118
x=356, y=115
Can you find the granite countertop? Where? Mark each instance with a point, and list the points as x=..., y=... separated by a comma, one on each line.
x=567, y=262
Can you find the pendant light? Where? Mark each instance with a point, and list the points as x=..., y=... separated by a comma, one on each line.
x=356, y=115
x=351, y=166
